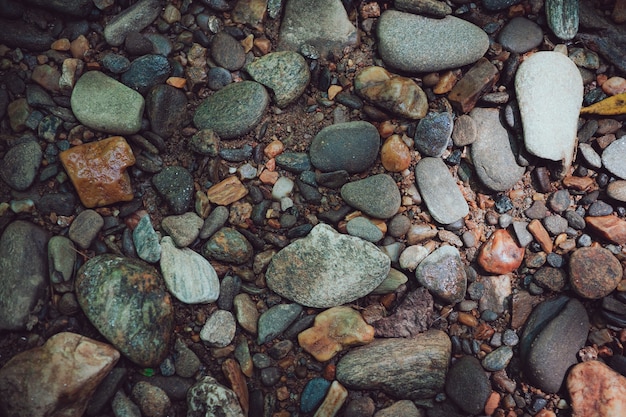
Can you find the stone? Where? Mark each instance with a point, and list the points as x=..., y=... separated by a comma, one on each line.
x=617, y=190
x=19, y=112
x=351, y=146
x=234, y=110
x=228, y=245
x=562, y=17
x=457, y=44
x=404, y=368
x=464, y=131
x=215, y=221
x=395, y=155
x=334, y=330
x=208, y=398
x=234, y=375
x=152, y=400
x=85, y=228
x=246, y=312
x=612, y=158
x=57, y=378
x=188, y=276
x=551, y=278
x=325, y=259
x=443, y=274
x=227, y=52
x=467, y=385
x=276, y=320
x=47, y=77
x=252, y=14
x=479, y=80
x=391, y=283
x=61, y=260
x=335, y=397
x=492, y=155
x=500, y=254
x=594, y=272
x=18, y=34
x=146, y=72
x=175, y=185
x=396, y=94
x=603, y=397
x=414, y=315
x=549, y=93
x=184, y=229
x=313, y=394
x=324, y=26
x=102, y=103
x=285, y=73
x=541, y=235
x=23, y=274
x=20, y=164
x=520, y=35
x=146, y=240
x=403, y=408
x=365, y=229
x=125, y=299
x=442, y=196
x=497, y=288
x=433, y=8
x=186, y=361
x=227, y=191
x=166, y=108
x=377, y=196
x=610, y=228
x=498, y=359
x=133, y=19
x=219, y=329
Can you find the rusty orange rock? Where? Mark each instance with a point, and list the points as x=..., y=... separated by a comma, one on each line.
x=610, y=228
x=98, y=171
x=500, y=254
x=227, y=191
x=541, y=235
x=237, y=381
x=596, y=390
x=395, y=155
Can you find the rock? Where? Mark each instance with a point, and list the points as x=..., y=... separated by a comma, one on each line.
x=313, y=394
x=498, y=359
x=23, y=274
x=441, y=44
x=321, y=257
x=227, y=191
x=467, y=385
x=335, y=397
x=403, y=408
x=61, y=260
x=395, y=155
x=85, y=228
x=432, y=134
x=612, y=158
x=183, y=228
x=285, y=73
x=610, y=228
x=551, y=278
x=227, y=52
x=549, y=92
x=520, y=35
x=152, y=400
x=166, y=108
x=476, y=82
x=18, y=34
x=324, y=26
x=132, y=19
x=207, y=398
x=617, y=190
x=334, y=330
x=497, y=288
x=216, y=220
x=20, y=164
x=57, y=378
x=125, y=300
x=219, y=329
x=228, y=245
x=391, y=283
x=351, y=146
x=399, y=95
x=365, y=229
x=276, y=320
x=439, y=191
x=493, y=157
x=428, y=7
x=594, y=272
x=146, y=72
x=464, y=131
x=500, y=254
x=420, y=374
x=102, y=103
x=554, y=333
x=562, y=17
x=186, y=362
x=377, y=196
x=443, y=273
x=234, y=110
x=146, y=240
x=413, y=316
x=246, y=312
x=175, y=185
x=188, y=276
x=604, y=397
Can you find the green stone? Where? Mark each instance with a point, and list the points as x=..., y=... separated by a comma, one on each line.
x=228, y=245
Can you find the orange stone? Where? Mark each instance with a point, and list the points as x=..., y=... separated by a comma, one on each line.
x=492, y=403
x=395, y=155
x=596, y=390
x=98, y=171
x=62, y=44
x=273, y=149
x=227, y=191
x=541, y=235
x=446, y=82
x=578, y=183
x=500, y=254
x=237, y=381
x=79, y=47
x=177, y=82
x=333, y=90
x=268, y=177
x=610, y=228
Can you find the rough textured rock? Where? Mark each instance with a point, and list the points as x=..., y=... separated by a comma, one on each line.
x=413, y=316
x=443, y=273
x=333, y=269
x=377, y=196
x=596, y=390
x=208, y=398
x=594, y=272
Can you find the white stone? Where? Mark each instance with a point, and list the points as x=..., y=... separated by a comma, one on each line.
x=219, y=329
x=187, y=274
x=411, y=257
x=282, y=188
x=613, y=158
x=549, y=91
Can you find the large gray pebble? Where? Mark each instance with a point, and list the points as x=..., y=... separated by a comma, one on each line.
x=520, y=35
x=20, y=164
x=443, y=274
x=133, y=19
x=613, y=158
x=377, y=196
x=468, y=385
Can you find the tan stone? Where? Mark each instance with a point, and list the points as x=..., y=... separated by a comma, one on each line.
x=79, y=47
x=62, y=44
x=335, y=397
x=541, y=235
x=395, y=155
x=274, y=148
x=596, y=390
x=610, y=228
x=500, y=254
x=227, y=191
x=56, y=379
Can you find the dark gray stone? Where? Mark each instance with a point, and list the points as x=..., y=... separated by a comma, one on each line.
x=433, y=134
x=377, y=196
x=166, y=108
x=227, y=52
x=468, y=385
x=520, y=35
x=147, y=71
x=175, y=185
x=20, y=164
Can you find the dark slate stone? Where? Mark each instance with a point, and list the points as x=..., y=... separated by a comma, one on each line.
x=468, y=385
x=433, y=134
x=166, y=108
x=146, y=72
x=175, y=185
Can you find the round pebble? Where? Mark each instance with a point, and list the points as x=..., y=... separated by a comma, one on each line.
x=594, y=272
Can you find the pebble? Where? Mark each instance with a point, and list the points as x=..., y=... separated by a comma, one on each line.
x=246, y=312
x=562, y=17
x=500, y=254
x=365, y=229
x=443, y=273
x=559, y=201
x=617, y=190
x=103, y=103
x=614, y=85
x=228, y=245
x=313, y=394
x=166, y=108
x=61, y=374
x=433, y=134
x=215, y=221
x=361, y=407
x=377, y=196
x=599, y=208
x=227, y=191
x=270, y=376
x=420, y=374
x=282, y=188
x=613, y=158
x=18, y=34
x=520, y=35
x=391, y=283
x=443, y=43
x=186, y=362
x=604, y=397
x=234, y=110
x=285, y=73
x=146, y=72
x=85, y=228
x=175, y=185
x=318, y=259
x=276, y=320
x=555, y=224
x=537, y=210
x=403, y=408
x=464, y=131
x=20, y=164
x=219, y=329
x=335, y=397
x=136, y=44
x=610, y=228
x=467, y=385
x=123, y=297
x=218, y=78
x=594, y=272
x=442, y=196
x=123, y=406
x=391, y=92
x=497, y=288
x=152, y=400
x=498, y=359
x=207, y=397
x=350, y=146
x=553, y=279
x=183, y=228
x=146, y=240
x=549, y=89
x=227, y=52
x=133, y=19
x=395, y=155
x=334, y=330
x=61, y=260
x=188, y=276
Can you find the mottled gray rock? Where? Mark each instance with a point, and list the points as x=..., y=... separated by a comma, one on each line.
x=207, y=398
x=183, y=228
x=377, y=196
x=146, y=240
x=492, y=152
x=333, y=269
x=166, y=108
x=219, y=329
x=365, y=229
x=468, y=385
x=276, y=320
x=433, y=134
x=175, y=184
x=433, y=8
x=404, y=368
x=146, y=72
x=442, y=196
x=61, y=260
x=613, y=158
x=133, y=19
x=228, y=245
x=85, y=228
x=520, y=35
x=20, y=164
x=443, y=273
x=404, y=408
x=416, y=43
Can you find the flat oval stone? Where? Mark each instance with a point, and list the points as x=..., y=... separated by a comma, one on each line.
x=443, y=273
x=617, y=190
x=102, y=103
x=147, y=71
x=442, y=196
x=227, y=52
x=520, y=35
x=276, y=320
x=416, y=43
x=166, y=108
x=125, y=299
x=351, y=146
x=20, y=164
x=208, y=398
x=333, y=269
x=562, y=17
x=467, y=385
x=613, y=158
x=132, y=19
x=377, y=196
x=594, y=272
x=433, y=134
x=234, y=110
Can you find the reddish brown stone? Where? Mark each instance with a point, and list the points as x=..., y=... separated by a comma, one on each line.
x=541, y=235
x=98, y=171
x=395, y=155
x=578, y=183
x=594, y=272
x=227, y=191
x=478, y=80
x=500, y=254
x=610, y=228
x=596, y=390
x=237, y=381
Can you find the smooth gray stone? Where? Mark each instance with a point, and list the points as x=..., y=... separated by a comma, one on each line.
x=442, y=196
x=276, y=320
x=85, y=228
x=433, y=134
x=433, y=8
x=228, y=245
x=377, y=196
x=134, y=19
x=468, y=385
x=146, y=72
x=416, y=43
x=492, y=151
x=365, y=229
x=61, y=260
x=520, y=35
x=78, y=8
x=20, y=164
x=613, y=158
x=166, y=108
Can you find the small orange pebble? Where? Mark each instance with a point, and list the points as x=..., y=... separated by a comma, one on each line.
x=274, y=148
x=492, y=403
x=247, y=43
x=268, y=177
x=386, y=129
x=467, y=319
x=545, y=413
x=271, y=165
x=329, y=372
x=62, y=44
x=263, y=45
x=541, y=235
x=178, y=82
x=333, y=90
